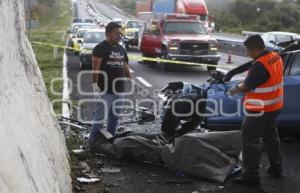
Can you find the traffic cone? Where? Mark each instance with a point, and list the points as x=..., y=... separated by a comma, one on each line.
x=229, y=58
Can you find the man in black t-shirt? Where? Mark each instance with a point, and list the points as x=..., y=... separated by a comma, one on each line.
x=110, y=68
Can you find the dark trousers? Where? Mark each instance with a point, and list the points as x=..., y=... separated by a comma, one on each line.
x=255, y=127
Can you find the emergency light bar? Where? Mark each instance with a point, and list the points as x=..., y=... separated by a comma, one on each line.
x=181, y=16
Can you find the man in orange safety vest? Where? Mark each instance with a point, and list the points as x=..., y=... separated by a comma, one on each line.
x=263, y=88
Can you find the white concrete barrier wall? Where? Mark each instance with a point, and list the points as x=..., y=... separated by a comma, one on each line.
x=33, y=155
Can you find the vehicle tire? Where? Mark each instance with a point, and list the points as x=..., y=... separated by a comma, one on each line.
x=170, y=123
x=209, y=68
x=163, y=66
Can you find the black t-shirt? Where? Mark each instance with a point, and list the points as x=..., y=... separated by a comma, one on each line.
x=114, y=59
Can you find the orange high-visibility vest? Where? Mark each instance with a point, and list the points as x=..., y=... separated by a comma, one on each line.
x=267, y=97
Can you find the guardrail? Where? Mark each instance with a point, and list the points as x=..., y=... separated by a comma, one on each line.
x=250, y=33
x=235, y=48
x=234, y=43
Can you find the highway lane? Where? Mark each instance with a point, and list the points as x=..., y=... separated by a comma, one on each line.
x=196, y=75
x=109, y=12
x=88, y=10
x=158, y=79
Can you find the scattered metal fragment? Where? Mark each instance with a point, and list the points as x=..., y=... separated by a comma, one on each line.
x=88, y=180
x=83, y=147
x=150, y=181
x=99, y=164
x=85, y=167
x=111, y=170
x=154, y=175
x=81, y=154
x=76, y=122
x=144, y=115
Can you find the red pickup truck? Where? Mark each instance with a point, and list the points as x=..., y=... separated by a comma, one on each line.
x=181, y=38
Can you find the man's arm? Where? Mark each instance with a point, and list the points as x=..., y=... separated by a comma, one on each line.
x=127, y=71
x=240, y=69
x=257, y=76
x=96, y=62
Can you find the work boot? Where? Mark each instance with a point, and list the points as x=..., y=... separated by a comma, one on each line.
x=247, y=181
x=274, y=171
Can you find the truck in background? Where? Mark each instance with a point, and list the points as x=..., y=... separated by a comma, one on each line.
x=145, y=6
x=190, y=7
x=179, y=37
x=147, y=19
x=132, y=33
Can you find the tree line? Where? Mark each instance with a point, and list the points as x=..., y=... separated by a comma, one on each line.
x=257, y=15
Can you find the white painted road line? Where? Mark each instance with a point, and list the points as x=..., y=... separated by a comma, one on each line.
x=144, y=82
x=66, y=92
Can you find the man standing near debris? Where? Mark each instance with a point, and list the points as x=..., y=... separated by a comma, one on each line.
x=263, y=101
x=110, y=68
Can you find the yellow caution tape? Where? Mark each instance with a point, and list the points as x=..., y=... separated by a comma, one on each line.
x=140, y=58
x=55, y=46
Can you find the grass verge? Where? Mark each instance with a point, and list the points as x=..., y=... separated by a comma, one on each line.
x=53, y=25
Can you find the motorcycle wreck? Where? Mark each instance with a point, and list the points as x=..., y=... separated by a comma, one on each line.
x=190, y=106
x=206, y=155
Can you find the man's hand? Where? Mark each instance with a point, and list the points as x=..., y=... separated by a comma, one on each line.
x=96, y=88
x=127, y=72
x=96, y=68
x=233, y=91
